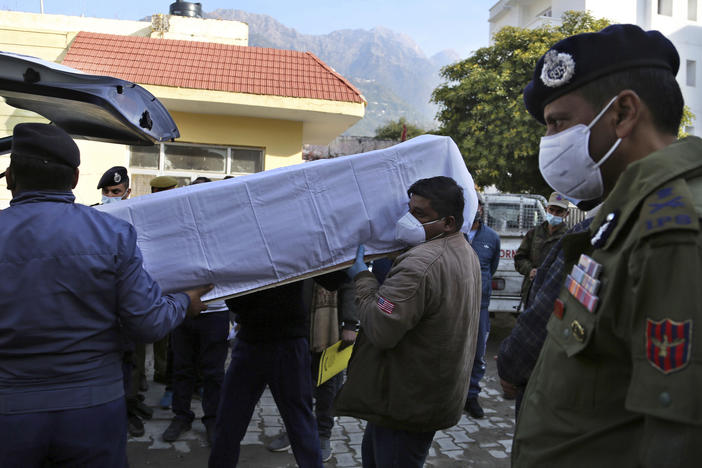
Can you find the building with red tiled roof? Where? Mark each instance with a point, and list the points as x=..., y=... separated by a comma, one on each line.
x=209, y=66
x=239, y=109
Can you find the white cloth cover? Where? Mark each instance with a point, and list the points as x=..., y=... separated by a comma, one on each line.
x=261, y=229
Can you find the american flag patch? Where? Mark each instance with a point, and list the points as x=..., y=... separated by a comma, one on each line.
x=385, y=305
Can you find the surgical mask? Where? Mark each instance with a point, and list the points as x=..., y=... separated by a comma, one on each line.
x=107, y=200
x=409, y=230
x=554, y=220
x=566, y=165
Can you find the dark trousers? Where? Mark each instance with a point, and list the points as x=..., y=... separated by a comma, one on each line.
x=479, y=363
x=85, y=437
x=391, y=448
x=163, y=362
x=324, y=399
x=285, y=366
x=199, y=343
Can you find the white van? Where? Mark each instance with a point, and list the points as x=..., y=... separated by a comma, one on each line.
x=512, y=216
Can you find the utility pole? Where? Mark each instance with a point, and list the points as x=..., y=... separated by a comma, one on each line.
x=41, y=6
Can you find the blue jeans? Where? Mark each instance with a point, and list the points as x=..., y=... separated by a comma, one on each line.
x=86, y=437
x=285, y=366
x=392, y=448
x=479, y=363
x=199, y=343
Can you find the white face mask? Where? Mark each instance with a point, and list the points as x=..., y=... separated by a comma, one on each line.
x=409, y=230
x=566, y=165
x=107, y=200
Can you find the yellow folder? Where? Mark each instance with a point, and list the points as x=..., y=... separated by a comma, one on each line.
x=332, y=362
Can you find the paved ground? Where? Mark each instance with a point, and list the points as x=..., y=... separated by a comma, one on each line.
x=471, y=443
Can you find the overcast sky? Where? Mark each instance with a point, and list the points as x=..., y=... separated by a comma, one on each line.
x=436, y=25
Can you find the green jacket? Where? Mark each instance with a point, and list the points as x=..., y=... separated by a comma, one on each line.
x=533, y=249
x=412, y=360
x=621, y=386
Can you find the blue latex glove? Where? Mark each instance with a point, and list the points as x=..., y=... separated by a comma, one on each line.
x=358, y=266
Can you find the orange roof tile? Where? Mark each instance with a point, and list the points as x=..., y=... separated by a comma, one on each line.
x=206, y=65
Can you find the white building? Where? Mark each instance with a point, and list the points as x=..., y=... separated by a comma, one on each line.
x=679, y=20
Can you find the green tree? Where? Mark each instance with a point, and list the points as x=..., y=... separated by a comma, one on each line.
x=688, y=119
x=481, y=107
x=393, y=130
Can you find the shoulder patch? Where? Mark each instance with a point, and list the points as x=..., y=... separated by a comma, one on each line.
x=670, y=207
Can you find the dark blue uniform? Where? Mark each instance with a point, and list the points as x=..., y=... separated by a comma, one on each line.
x=271, y=349
x=72, y=284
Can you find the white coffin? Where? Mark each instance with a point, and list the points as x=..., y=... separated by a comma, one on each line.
x=267, y=228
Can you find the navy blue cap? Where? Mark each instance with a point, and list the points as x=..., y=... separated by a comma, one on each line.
x=114, y=176
x=580, y=59
x=44, y=142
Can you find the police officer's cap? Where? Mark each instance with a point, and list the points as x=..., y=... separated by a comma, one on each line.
x=114, y=176
x=46, y=143
x=580, y=59
x=163, y=182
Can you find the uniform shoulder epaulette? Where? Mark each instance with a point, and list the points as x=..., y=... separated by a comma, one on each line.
x=670, y=207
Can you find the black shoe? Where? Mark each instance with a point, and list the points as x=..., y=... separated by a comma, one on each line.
x=175, y=429
x=143, y=411
x=473, y=408
x=135, y=426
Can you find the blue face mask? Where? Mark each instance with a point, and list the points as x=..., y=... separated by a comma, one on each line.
x=554, y=220
x=107, y=200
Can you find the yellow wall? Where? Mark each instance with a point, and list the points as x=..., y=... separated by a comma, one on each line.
x=280, y=139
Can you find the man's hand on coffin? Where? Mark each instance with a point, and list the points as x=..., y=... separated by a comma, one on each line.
x=358, y=266
x=196, y=305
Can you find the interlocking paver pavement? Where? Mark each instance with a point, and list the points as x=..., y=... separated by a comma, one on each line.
x=476, y=443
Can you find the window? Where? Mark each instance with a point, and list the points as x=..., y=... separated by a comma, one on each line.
x=665, y=7
x=691, y=66
x=187, y=161
x=692, y=10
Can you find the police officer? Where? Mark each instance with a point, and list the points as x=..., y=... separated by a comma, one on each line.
x=616, y=383
x=539, y=240
x=72, y=285
x=161, y=183
x=114, y=184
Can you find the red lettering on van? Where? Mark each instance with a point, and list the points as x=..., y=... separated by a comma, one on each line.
x=507, y=253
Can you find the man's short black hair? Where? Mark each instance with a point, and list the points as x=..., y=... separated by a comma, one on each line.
x=656, y=87
x=201, y=180
x=444, y=194
x=36, y=174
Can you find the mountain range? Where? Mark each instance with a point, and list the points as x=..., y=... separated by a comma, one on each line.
x=388, y=67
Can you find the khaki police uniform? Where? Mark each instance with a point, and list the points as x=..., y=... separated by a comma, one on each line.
x=533, y=249
x=618, y=381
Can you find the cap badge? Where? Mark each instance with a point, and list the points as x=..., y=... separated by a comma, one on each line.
x=558, y=68
x=117, y=178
